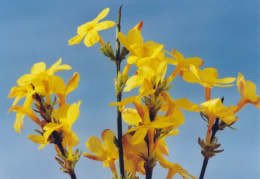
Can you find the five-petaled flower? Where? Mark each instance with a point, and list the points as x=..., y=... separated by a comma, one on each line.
x=108, y=153
x=90, y=30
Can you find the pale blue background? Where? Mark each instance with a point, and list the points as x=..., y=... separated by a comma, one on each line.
x=225, y=34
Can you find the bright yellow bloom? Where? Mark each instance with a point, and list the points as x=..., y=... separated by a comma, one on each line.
x=38, y=81
x=208, y=77
x=66, y=116
x=133, y=37
x=142, y=129
x=247, y=90
x=146, y=73
x=58, y=87
x=182, y=63
x=108, y=153
x=132, y=160
x=215, y=109
x=90, y=30
x=140, y=53
x=39, y=71
x=41, y=81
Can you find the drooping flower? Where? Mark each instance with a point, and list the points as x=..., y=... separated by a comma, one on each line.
x=20, y=114
x=107, y=153
x=208, y=77
x=66, y=116
x=247, y=91
x=133, y=162
x=40, y=81
x=89, y=30
x=215, y=109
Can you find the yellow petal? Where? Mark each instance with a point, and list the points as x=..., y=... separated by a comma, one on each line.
x=38, y=139
x=133, y=82
x=38, y=68
x=102, y=15
x=73, y=113
x=75, y=140
x=108, y=138
x=25, y=79
x=196, y=61
x=249, y=92
x=91, y=38
x=73, y=83
x=163, y=147
x=124, y=101
x=95, y=145
x=93, y=157
x=187, y=105
x=49, y=128
x=139, y=135
x=132, y=59
x=62, y=113
x=77, y=39
x=225, y=80
x=131, y=116
x=241, y=84
x=56, y=85
x=18, y=122
x=105, y=25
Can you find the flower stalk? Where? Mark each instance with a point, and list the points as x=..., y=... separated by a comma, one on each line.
x=119, y=96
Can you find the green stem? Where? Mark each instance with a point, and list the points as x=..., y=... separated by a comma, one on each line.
x=119, y=96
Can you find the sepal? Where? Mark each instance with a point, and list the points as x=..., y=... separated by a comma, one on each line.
x=209, y=151
x=108, y=51
x=66, y=163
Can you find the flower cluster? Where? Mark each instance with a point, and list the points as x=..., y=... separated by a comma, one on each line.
x=152, y=115
x=46, y=90
x=156, y=115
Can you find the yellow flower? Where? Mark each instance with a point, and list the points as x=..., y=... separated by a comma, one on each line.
x=142, y=129
x=247, y=91
x=67, y=115
x=58, y=87
x=182, y=63
x=108, y=153
x=208, y=77
x=90, y=30
x=38, y=81
x=146, y=73
x=215, y=109
x=133, y=162
x=172, y=168
x=140, y=53
x=39, y=71
x=21, y=112
x=133, y=37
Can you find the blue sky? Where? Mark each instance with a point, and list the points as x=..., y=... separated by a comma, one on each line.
x=225, y=34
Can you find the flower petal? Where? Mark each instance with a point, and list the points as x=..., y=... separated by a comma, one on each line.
x=95, y=146
x=102, y=15
x=139, y=135
x=105, y=25
x=91, y=38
